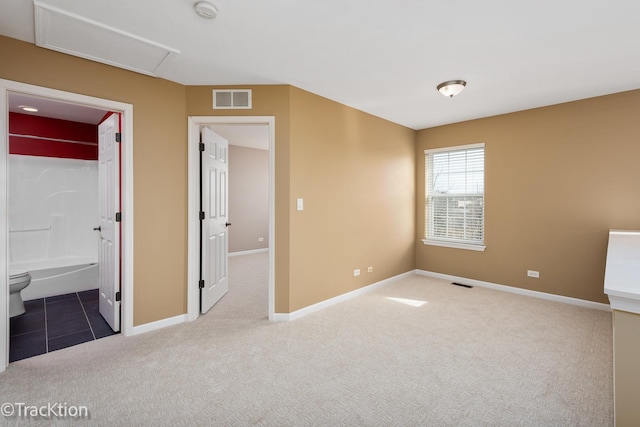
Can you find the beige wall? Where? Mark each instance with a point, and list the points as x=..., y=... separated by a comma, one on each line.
x=248, y=198
x=557, y=179
x=368, y=217
x=272, y=100
x=160, y=162
x=355, y=173
x=627, y=368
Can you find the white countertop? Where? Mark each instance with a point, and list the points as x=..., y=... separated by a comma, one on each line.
x=622, y=273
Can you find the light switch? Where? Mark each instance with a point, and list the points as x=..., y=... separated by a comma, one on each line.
x=300, y=204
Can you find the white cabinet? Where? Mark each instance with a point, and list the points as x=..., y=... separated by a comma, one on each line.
x=622, y=273
x=622, y=284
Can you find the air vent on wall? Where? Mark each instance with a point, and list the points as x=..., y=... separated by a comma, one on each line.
x=236, y=99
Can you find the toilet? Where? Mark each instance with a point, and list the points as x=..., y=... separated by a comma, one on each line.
x=17, y=282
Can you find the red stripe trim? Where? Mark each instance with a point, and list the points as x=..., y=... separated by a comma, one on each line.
x=25, y=129
x=24, y=124
x=37, y=147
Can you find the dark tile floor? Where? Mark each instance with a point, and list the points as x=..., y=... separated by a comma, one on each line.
x=57, y=322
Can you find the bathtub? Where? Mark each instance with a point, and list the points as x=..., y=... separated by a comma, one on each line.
x=58, y=276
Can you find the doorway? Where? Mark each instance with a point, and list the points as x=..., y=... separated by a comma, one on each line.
x=193, y=276
x=8, y=88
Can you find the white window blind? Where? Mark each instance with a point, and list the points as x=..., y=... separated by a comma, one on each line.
x=454, y=202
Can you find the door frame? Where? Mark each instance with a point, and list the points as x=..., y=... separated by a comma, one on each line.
x=193, y=222
x=126, y=110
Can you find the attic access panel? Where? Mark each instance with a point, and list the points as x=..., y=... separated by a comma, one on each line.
x=65, y=32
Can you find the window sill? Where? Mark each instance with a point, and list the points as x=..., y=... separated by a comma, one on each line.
x=454, y=245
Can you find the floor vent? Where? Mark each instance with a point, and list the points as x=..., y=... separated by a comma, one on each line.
x=236, y=99
x=462, y=285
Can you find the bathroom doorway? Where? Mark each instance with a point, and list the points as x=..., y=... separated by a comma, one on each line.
x=76, y=247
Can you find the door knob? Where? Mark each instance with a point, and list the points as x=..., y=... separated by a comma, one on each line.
x=227, y=224
x=98, y=228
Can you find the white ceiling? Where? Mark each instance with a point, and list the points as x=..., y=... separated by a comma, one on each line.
x=55, y=109
x=244, y=135
x=386, y=57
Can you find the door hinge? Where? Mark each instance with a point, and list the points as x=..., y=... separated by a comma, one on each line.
x=201, y=284
x=118, y=137
x=202, y=146
x=118, y=296
x=118, y=216
x=201, y=216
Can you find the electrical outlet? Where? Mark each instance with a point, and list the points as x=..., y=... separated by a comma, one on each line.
x=533, y=273
x=369, y=269
x=260, y=239
x=356, y=272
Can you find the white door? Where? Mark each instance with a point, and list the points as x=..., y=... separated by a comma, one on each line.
x=109, y=253
x=214, y=283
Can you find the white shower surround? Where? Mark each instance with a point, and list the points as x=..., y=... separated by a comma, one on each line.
x=53, y=207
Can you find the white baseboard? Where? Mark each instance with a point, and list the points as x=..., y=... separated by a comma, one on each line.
x=520, y=291
x=152, y=326
x=283, y=317
x=252, y=251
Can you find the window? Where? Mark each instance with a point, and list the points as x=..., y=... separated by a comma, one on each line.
x=454, y=197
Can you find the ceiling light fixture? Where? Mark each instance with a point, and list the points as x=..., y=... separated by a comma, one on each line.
x=29, y=109
x=205, y=9
x=451, y=88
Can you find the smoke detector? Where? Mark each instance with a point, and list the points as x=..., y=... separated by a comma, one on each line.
x=205, y=9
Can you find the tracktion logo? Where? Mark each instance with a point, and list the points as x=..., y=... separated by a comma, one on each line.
x=48, y=411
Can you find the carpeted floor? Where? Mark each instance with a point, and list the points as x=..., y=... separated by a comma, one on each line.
x=418, y=351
